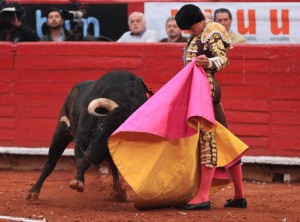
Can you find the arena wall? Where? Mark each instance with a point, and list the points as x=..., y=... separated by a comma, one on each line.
x=261, y=94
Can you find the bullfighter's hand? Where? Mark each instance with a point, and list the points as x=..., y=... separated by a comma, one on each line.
x=202, y=61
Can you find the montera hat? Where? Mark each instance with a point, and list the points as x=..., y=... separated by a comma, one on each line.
x=188, y=15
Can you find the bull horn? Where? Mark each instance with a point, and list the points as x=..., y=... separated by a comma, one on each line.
x=66, y=120
x=101, y=103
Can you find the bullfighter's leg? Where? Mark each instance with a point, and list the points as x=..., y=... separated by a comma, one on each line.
x=118, y=192
x=82, y=165
x=59, y=142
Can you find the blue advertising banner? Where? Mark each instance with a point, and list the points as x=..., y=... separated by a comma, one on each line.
x=109, y=20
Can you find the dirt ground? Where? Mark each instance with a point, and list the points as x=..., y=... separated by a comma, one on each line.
x=267, y=201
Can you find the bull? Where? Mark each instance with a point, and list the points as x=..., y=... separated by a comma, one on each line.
x=92, y=111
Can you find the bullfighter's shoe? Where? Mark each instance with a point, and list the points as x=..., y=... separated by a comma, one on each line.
x=238, y=203
x=199, y=206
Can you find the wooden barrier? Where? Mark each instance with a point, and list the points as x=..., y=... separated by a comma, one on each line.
x=260, y=88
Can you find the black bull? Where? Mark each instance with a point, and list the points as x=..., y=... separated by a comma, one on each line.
x=92, y=111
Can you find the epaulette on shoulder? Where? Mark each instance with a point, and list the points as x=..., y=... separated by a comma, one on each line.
x=213, y=28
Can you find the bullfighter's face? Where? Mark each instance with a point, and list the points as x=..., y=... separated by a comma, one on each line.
x=197, y=28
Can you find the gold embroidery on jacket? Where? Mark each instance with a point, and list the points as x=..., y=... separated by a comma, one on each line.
x=213, y=28
x=208, y=148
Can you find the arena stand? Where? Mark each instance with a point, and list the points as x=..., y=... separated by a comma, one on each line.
x=261, y=94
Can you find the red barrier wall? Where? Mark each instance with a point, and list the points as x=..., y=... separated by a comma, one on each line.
x=261, y=94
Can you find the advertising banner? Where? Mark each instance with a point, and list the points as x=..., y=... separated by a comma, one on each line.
x=258, y=22
x=108, y=20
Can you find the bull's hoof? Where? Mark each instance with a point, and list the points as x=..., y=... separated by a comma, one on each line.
x=121, y=199
x=32, y=196
x=77, y=185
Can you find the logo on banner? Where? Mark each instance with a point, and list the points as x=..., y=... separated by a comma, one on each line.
x=279, y=23
x=40, y=21
x=285, y=22
x=274, y=22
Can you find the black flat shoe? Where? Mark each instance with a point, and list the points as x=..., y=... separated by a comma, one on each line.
x=199, y=206
x=238, y=203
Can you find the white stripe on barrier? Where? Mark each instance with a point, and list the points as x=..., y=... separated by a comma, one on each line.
x=21, y=219
x=275, y=160
x=32, y=151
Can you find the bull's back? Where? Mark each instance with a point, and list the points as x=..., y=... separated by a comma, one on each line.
x=75, y=100
x=77, y=95
x=121, y=86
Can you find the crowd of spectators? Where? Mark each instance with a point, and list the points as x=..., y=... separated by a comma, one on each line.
x=14, y=29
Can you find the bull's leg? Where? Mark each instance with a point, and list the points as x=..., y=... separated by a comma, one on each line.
x=118, y=192
x=82, y=165
x=59, y=142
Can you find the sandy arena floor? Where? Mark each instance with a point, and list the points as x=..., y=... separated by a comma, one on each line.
x=267, y=202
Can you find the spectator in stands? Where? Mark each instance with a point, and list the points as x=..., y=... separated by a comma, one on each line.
x=56, y=31
x=138, y=30
x=223, y=16
x=207, y=15
x=12, y=26
x=173, y=31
